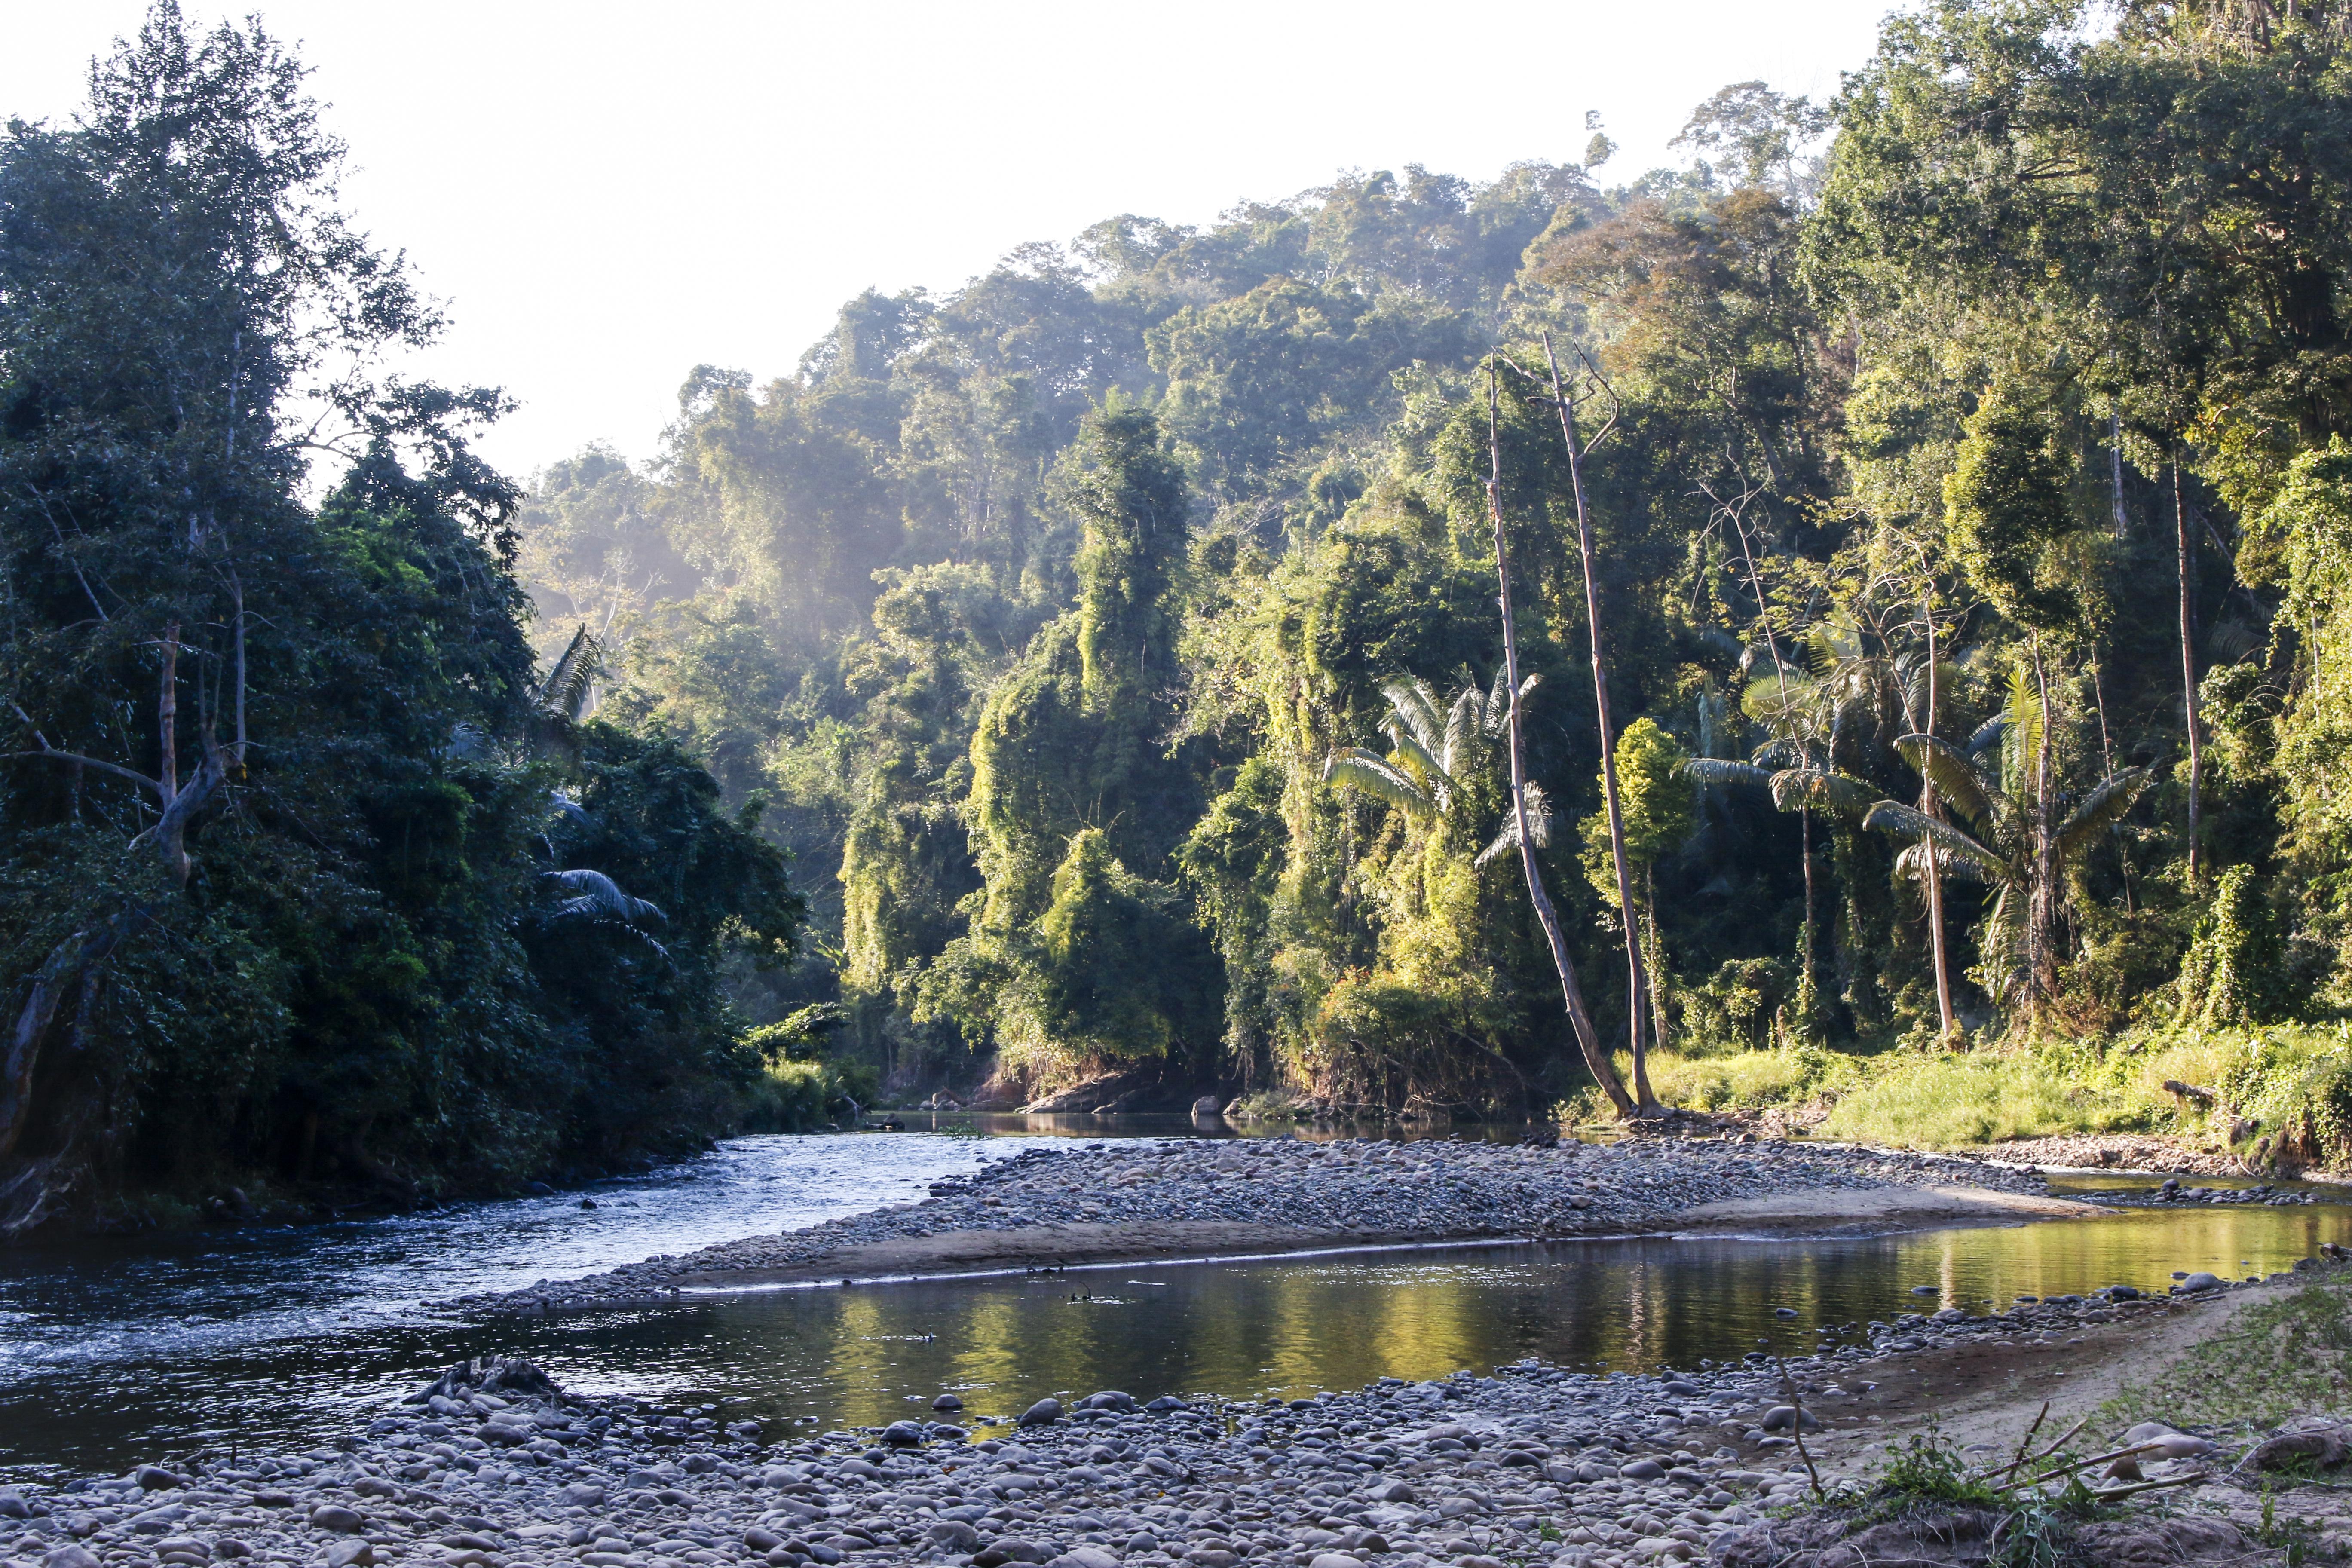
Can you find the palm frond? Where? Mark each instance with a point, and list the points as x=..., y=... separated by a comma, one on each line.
x=1356, y=768
x=2022, y=735
x=1947, y=768
x=1820, y=789
x=1912, y=865
x=1780, y=754
x=2103, y=807
x=594, y=895
x=1904, y=822
x=1463, y=721
x=1498, y=706
x=1776, y=694
x=1718, y=770
x=564, y=692
x=1986, y=734
x=1416, y=707
x=1409, y=750
x=1538, y=808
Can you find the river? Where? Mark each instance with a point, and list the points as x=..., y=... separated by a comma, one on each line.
x=276, y=1336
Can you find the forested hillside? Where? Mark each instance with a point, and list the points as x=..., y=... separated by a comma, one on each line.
x=1038, y=611
x=1111, y=643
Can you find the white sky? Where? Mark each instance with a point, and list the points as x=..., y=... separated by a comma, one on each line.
x=608, y=194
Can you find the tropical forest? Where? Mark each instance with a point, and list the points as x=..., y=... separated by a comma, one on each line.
x=1848, y=629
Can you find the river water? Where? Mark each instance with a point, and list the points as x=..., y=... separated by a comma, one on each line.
x=280, y=1336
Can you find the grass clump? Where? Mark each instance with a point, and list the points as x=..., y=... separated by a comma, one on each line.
x=1742, y=1081
x=2280, y=1359
x=2283, y=1094
x=1945, y=1100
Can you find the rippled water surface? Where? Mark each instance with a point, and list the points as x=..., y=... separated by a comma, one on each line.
x=274, y=1336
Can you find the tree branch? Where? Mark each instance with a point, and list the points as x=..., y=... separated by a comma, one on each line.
x=76, y=759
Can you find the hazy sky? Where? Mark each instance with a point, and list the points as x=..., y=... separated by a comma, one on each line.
x=607, y=196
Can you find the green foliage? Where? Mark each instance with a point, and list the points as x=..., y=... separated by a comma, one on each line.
x=375, y=906
x=2007, y=499
x=2233, y=971
x=1655, y=801
x=1110, y=642
x=2289, y=1093
x=1111, y=946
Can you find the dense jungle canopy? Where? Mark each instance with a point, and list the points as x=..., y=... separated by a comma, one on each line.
x=1107, y=652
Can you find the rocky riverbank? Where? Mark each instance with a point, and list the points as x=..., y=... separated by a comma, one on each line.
x=492, y=1466
x=1122, y=1200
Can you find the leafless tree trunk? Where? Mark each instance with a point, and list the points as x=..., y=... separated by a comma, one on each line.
x=1927, y=845
x=2042, y=913
x=1588, y=1038
x=2188, y=670
x=167, y=715
x=1637, y=990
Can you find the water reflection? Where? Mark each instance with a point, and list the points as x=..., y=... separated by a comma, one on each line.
x=867, y=1355
x=141, y=1349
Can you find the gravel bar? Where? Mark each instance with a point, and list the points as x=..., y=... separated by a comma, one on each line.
x=1140, y=1198
x=492, y=1466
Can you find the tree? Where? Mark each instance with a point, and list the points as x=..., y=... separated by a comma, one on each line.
x=1793, y=768
x=297, y=838
x=1652, y=769
x=1073, y=808
x=2024, y=837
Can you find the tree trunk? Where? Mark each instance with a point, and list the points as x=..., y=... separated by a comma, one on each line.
x=2042, y=910
x=1637, y=986
x=167, y=714
x=1588, y=1038
x=68, y=963
x=2188, y=670
x=1927, y=845
x=1807, y=1004
x=1656, y=956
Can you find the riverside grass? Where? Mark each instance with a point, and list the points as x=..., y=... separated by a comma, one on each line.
x=2282, y=1090
x=2279, y=1359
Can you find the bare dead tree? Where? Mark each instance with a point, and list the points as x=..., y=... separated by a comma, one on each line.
x=1637, y=998
x=2188, y=668
x=1588, y=1038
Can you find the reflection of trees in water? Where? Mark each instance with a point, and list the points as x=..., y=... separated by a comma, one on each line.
x=1617, y=1306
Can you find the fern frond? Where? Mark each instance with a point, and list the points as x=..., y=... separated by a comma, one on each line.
x=1820, y=789
x=1911, y=864
x=1718, y=770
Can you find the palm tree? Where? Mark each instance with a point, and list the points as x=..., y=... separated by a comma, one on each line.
x=2020, y=842
x=1804, y=715
x=562, y=700
x=1433, y=743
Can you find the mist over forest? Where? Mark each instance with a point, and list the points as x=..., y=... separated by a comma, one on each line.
x=1088, y=681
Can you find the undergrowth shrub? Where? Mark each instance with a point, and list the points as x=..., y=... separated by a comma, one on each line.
x=2289, y=1093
